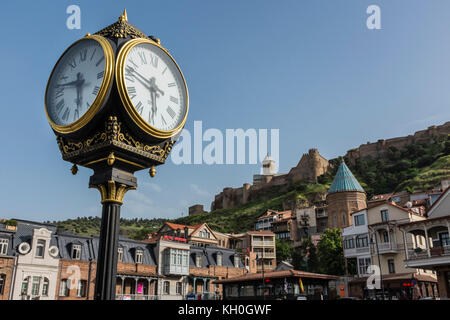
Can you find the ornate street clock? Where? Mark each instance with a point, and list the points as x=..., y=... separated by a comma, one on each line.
x=117, y=102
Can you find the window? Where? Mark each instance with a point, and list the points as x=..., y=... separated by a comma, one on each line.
x=344, y=219
x=76, y=251
x=385, y=236
x=24, y=288
x=40, y=248
x=120, y=254
x=349, y=243
x=236, y=261
x=2, y=283
x=391, y=265
x=198, y=260
x=179, y=287
x=444, y=239
x=362, y=241
x=363, y=264
x=3, y=246
x=63, y=288
x=45, y=285
x=139, y=254
x=359, y=220
x=384, y=215
x=219, y=258
x=81, y=288
x=166, y=287
x=35, y=286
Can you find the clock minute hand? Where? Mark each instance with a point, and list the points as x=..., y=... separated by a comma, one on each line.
x=134, y=72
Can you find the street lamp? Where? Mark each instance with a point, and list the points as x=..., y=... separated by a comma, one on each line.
x=379, y=261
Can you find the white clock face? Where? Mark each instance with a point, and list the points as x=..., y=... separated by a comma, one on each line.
x=75, y=82
x=155, y=86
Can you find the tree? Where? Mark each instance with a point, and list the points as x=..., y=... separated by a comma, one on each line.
x=299, y=260
x=283, y=250
x=331, y=255
x=310, y=250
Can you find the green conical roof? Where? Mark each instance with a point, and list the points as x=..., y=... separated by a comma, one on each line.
x=344, y=181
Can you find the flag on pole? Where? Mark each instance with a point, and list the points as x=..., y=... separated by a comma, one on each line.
x=302, y=289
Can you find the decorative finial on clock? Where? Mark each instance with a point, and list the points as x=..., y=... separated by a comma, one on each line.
x=123, y=16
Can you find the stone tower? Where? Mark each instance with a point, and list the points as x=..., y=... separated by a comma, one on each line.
x=268, y=166
x=344, y=197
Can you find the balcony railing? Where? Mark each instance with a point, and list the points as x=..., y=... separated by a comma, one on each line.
x=203, y=296
x=434, y=252
x=137, y=297
x=257, y=243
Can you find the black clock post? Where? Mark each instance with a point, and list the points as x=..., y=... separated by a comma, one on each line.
x=108, y=140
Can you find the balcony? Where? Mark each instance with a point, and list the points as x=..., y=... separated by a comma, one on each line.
x=172, y=269
x=257, y=243
x=387, y=247
x=434, y=257
x=352, y=252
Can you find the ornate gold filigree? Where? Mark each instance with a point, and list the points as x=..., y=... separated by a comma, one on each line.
x=113, y=133
x=112, y=191
x=122, y=29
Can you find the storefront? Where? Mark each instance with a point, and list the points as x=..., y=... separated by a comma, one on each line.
x=408, y=286
x=287, y=284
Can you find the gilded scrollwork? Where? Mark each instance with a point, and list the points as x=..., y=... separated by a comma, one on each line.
x=113, y=132
x=121, y=29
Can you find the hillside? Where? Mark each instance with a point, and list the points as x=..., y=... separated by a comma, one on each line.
x=414, y=167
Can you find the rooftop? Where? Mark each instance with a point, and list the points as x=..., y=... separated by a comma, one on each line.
x=344, y=181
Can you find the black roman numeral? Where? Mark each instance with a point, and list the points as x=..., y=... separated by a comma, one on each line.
x=100, y=75
x=83, y=54
x=59, y=106
x=139, y=107
x=95, y=91
x=92, y=56
x=172, y=84
x=163, y=120
x=174, y=100
x=66, y=114
x=99, y=61
x=134, y=64
x=72, y=63
x=131, y=92
x=143, y=58
x=170, y=112
x=76, y=115
x=59, y=91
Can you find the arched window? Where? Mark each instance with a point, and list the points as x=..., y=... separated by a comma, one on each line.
x=344, y=219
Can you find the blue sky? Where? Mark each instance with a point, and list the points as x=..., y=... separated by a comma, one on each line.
x=309, y=68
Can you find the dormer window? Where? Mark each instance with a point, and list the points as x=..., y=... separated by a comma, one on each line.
x=3, y=247
x=198, y=260
x=236, y=261
x=120, y=254
x=219, y=258
x=76, y=252
x=139, y=255
x=40, y=248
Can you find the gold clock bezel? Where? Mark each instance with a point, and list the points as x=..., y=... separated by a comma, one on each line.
x=123, y=92
x=99, y=99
